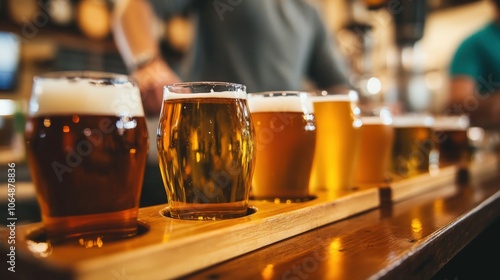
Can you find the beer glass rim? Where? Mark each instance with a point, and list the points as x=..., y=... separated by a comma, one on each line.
x=413, y=120
x=460, y=122
x=304, y=104
x=106, y=78
x=273, y=93
x=176, y=87
x=336, y=95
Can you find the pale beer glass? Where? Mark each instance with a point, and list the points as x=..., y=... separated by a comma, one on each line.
x=413, y=150
x=375, y=148
x=205, y=147
x=337, y=140
x=285, y=136
x=87, y=144
x=452, y=142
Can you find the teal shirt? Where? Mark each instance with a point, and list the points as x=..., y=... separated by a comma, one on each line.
x=478, y=56
x=263, y=44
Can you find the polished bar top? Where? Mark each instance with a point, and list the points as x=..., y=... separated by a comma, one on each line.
x=411, y=239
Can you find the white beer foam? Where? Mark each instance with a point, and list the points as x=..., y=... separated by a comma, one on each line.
x=53, y=96
x=240, y=94
x=290, y=103
x=451, y=122
x=375, y=120
x=352, y=97
x=413, y=120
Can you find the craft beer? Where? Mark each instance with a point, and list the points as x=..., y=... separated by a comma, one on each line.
x=87, y=144
x=374, y=157
x=413, y=149
x=285, y=136
x=337, y=141
x=450, y=136
x=206, y=150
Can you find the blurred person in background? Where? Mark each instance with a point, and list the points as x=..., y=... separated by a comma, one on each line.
x=475, y=75
x=263, y=44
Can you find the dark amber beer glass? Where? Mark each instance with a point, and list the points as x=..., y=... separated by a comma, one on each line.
x=375, y=148
x=285, y=135
x=450, y=136
x=87, y=144
x=413, y=150
x=206, y=150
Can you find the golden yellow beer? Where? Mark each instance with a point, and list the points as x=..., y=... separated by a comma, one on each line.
x=337, y=141
x=285, y=136
x=413, y=149
x=374, y=157
x=450, y=136
x=87, y=143
x=205, y=146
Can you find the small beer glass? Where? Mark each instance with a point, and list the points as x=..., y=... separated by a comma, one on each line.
x=206, y=150
x=337, y=140
x=87, y=144
x=450, y=136
x=375, y=147
x=413, y=149
x=285, y=135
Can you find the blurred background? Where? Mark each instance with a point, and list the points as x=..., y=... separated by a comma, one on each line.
x=395, y=56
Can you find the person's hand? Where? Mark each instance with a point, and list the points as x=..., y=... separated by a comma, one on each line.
x=152, y=78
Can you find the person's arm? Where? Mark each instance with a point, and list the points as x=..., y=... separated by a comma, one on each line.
x=134, y=33
x=327, y=68
x=483, y=110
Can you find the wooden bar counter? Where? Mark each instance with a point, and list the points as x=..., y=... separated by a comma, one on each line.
x=406, y=230
x=410, y=239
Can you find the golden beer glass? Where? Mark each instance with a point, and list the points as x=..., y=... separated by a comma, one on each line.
x=375, y=148
x=337, y=140
x=413, y=150
x=452, y=142
x=285, y=136
x=205, y=146
x=87, y=144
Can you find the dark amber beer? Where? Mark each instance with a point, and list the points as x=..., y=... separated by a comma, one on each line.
x=87, y=144
x=285, y=136
x=450, y=136
x=375, y=148
x=413, y=149
x=206, y=150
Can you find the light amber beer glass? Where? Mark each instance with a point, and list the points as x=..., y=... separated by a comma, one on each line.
x=206, y=150
x=337, y=140
x=374, y=157
x=413, y=149
x=450, y=136
x=87, y=145
x=285, y=136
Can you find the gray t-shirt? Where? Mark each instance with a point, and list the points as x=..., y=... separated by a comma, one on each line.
x=263, y=44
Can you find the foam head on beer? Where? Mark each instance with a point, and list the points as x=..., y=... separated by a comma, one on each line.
x=85, y=94
x=281, y=102
x=324, y=96
x=209, y=90
x=413, y=120
x=451, y=122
